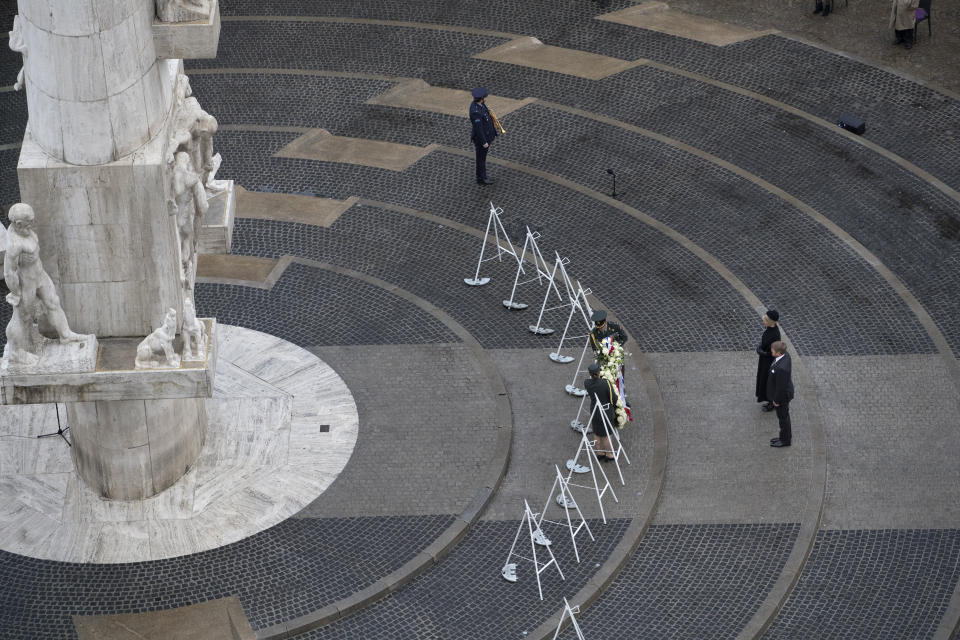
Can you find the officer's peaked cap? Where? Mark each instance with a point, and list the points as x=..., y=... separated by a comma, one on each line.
x=599, y=315
x=593, y=368
x=480, y=92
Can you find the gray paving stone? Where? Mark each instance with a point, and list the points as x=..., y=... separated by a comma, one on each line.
x=9, y=187
x=890, y=425
x=332, y=103
x=721, y=467
x=852, y=186
x=427, y=434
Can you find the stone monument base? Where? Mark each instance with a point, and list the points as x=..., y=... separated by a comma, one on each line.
x=56, y=357
x=134, y=449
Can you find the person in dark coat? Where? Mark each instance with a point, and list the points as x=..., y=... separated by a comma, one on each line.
x=597, y=387
x=483, y=132
x=780, y=392
x=770, y=335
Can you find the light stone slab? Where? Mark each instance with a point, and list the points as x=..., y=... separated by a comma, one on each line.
x=417, y=94
x=261, y=464
x=323, y=146
x=530, y=52
x=658, y=16
x=321, y=212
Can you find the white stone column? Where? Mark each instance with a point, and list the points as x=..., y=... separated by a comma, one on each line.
x=133, y=449
x=95, y=166
x=94, y=85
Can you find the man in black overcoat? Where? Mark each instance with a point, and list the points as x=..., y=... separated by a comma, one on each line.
x=601, y=388
x=780, y=392
x=771, y=334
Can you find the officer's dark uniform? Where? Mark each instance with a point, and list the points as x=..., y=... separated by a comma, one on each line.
x=600, y=331
x=483, y=132
x=601, y=388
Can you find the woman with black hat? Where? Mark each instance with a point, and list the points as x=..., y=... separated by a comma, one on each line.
x=770, y=335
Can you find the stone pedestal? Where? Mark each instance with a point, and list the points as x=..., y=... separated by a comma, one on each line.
x=133, y=449
x=194, y=39
x=134, y=432
x=106, y=236
x=217, y=231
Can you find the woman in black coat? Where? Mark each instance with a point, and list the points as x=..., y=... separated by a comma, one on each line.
x=770, y=335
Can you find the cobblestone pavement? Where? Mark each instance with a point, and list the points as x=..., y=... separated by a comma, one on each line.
x=729, y=200
x=465, y=597
x=691, y=581
x=901, y=592
x=285, y=571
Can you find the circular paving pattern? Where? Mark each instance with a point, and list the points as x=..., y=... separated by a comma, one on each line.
x=735, y=192
x=282, y=427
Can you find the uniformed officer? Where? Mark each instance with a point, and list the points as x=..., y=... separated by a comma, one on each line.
x=603, y=329
x=601, y=389
x=483, y=132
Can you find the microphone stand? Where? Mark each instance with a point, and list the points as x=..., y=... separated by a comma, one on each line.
x=60, y=430
x=614, y=176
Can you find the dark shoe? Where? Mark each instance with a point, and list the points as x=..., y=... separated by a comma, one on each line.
x=774, y=439
x=907, y=45
x=826, y=10
x=768, y=407
x=819, y=7
x=778, y=444
x=484, y=181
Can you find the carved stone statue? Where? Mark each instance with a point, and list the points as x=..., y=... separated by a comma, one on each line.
x=159, y=342
x=193, y=132
x=189, y=205
x=182, y=10
x=193, y=333
x=17, y=44
x=32, y=294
